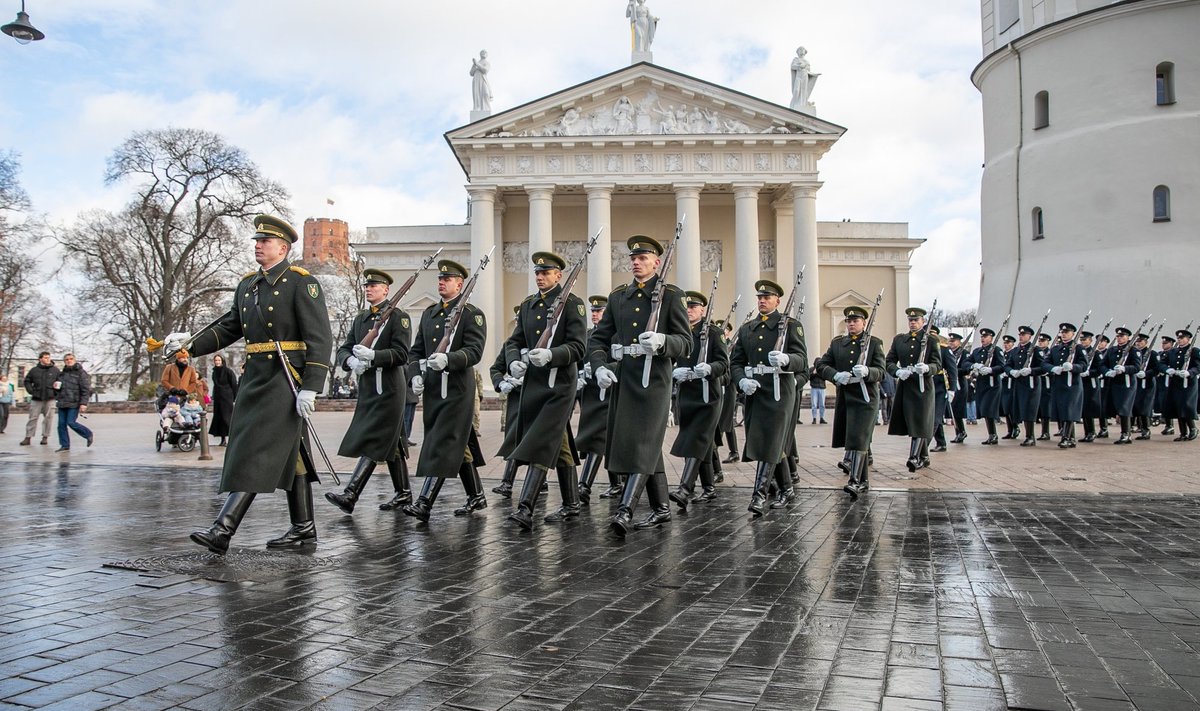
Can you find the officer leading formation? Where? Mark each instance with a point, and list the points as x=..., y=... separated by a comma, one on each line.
x=650, y=346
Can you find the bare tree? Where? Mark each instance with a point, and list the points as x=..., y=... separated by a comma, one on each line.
x=23, y=310
x=963, y=318
x=160, y=264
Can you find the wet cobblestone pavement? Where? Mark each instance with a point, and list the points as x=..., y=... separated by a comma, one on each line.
x=905, y=600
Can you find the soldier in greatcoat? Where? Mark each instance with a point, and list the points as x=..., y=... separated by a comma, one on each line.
x=592, y=433
x=700, y=376
x=1160, y=390
x=1143, y=401
x=376, y=432
x=913, y=359
x=770, y=377
x=279, y=309
x=509, y=388
x=637, y=413
x=1007, y=410
x=945, y=387
x=548, y=372
x=1091, y=386
x=1122, y=362
x=445, y=379
x=854, y=418
x=964, y=386
x=1181, y=366
x=1043, y=349
x=1065, y=364
x=1024, y=369
x=987, y=363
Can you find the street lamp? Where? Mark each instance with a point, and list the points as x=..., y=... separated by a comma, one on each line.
x=21, y=30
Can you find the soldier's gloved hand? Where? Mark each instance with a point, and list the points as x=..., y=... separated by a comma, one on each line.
x=605, y=378
x=540, y=357
x=587, y=370
x=1141, y=375
x=306, y=402
x=702, y=370
x=437, y=361
x=517, y=368
x=903, y=373
x=418, y=385
x=356, y=366
x=351, y=363
x=1120, y=369
x=842, y=378
x=950, y=395
x=1057, y=370
x=921, y=368
x=653, y=341
x=1170, y=372
x=860, y=371
x=779, y=359
x=505, y=386
x=175, y=341
x=748, y=385
x=682, y=374
x=1026, y=371
x=1183, y=374
x=1110, y=373
x=580, y=382
x=363, y=353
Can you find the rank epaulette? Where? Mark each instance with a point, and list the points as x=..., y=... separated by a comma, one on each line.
x=299, y=270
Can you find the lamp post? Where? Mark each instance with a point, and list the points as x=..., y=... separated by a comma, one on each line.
x=21, y=29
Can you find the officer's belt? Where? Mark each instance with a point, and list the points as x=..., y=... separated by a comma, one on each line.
x=619, y=351
x=269, y=346
x=765, y=370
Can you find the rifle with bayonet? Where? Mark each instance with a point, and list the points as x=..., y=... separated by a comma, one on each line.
x=1149, y=350
x=702, y=357
x=393, y=303
x=925, y=345
x=1095, y=349
x=864, y=355
x=560, y=303
x=456, y=315
x=781, y=339
x=656, y=298
x=1124, y=357
x=1032, y=347
x=1070, y=362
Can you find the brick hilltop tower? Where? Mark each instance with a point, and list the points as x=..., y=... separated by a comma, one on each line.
x=326, y=242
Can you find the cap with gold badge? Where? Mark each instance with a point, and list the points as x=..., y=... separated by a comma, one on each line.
x=766, y=287
x=641, y=244
x=695, y=298
x=914, y=312
x=450, y=268
x=852, y=312
x=598, y=303
x=544, y=261
x=267, y=226
x=377, y=276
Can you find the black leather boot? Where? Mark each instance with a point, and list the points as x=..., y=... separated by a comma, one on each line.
x=1168, y=428
x=785, y=492
x=1143, y=427
x=1045, y=435
x=1125, y=437
x=914, y=454
x=615, y=486
x=762, y=486
x=473, y=485
x=991, y=430
x=217, y=537
x=530, y=490
x=851, y=486
x=660, y=504
x=1089, y=430
x=420, y=508
x=844, y=465
x=568, y=487
x=1191, y=430
x=506, y=482
x=1029, y=441
x=864, y=471
x=622, y=521
x=398, y=471
x=708, y=489
x=1103, y=433
x=687, y=483
x=591, y=467
x=358, y=479
x=303, y=531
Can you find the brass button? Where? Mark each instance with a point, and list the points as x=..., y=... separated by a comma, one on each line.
x=269, y=325
x=270, y=356
x=270, y=308
x=285, y=278
x=539, y=331
x=635, y=324
x=277, y=293
x=635, y=308
x=539, y=317
x=245, y=325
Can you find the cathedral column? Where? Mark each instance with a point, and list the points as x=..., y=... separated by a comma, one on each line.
x=498, y=258
x=483, y=236
x=599, y=266
x=541, y=230
x=745, y=210
x=804, y=240
x=785, y=245
x=687, y=255
x=900, y=289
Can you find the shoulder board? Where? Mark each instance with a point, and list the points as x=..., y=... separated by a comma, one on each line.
x=530, y=298
x=247, y=275
x=622, y=287
x=299, y=270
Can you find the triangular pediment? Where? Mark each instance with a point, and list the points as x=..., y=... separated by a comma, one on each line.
x=645, y=102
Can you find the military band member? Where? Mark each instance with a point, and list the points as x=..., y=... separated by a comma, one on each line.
x=913, y=411
x=945, y=388
x=1043, y=348
x=376, y=432
x=278, y=308
x=1024, y=368
x=1006, y=392
x=770, y=379
x=854, y=417
x=637, y=413
x=1181, y=365
x=1066, y=373
x=1122, y=362
x=987, y=363
x=1143, y=400
x=593, y=420
x=448, y=418
x=701, y=395
x=965, y=387
x=544, y=440
x=1160, y=390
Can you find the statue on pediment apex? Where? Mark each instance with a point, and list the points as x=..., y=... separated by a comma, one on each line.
x=803, y=80
x=642, y=23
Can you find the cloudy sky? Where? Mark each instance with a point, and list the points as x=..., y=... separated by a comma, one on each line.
x=349, y=100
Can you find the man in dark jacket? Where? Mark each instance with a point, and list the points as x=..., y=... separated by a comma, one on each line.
x=72, y=390
x=39, y=383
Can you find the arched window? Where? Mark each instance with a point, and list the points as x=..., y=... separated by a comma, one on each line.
x=1039, y=231
x=1164, y=83
x=1162, y=204
x=1041, y=109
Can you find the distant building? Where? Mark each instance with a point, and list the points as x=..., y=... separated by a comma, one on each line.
x=326, y=243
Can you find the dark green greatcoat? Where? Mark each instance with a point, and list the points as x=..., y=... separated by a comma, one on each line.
x=854, y=418
x=592, y=434
x=637, y=415
x=512, y=405
x=448, y=421
x=545, y=414
x=912, y=412
x=378, y=425
x=697, y=418
x=265, y=431
x=770, y=423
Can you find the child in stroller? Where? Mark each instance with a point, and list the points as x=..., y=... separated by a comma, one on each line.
x=176, y=427
x=191, y=410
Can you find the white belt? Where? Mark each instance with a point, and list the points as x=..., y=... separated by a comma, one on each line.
x=765, y=370
x=634, y=351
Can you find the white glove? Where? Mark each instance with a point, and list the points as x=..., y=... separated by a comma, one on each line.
x=748, y=385
x=356, y=366
x=517, y=368
x=921, y=368
x=702, y=370
x=842, y=378
x=860, y=371
x=653, y=341
x=1141, y=375
x=605, y=378
x=950, y=395
x=587, y=370
x=1026, y=371
x=175, y=341
x=1171, y=371
x=1110, y=373
x=540, y=357
x=1057, y=370
x=1119, y=369
x=418, y=385
x=903, y=373
x=306, y=402
x=1183, y=374
x=682, y=374
x=363, y=353
x=505, y=386
x=580, y=382
x=779, y=359
x=437, y=361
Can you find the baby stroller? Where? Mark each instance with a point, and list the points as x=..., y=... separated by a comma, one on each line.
x=184, y=437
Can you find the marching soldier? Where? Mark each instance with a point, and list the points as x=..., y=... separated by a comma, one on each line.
x=1091, y=386
x=701, y=395
x=1181, y=365
x=1121, y=362
x=912, y=414
x=1024, y=369
x=727, y=426
x=1143, y=401
x=376, y=432
x=445, y=380
x=854, y=417
x=945, y=388
x=637, y=413
x=1105, y=397
x=1160, y=390
x=958, y=406
x=770, y=379
x=1006, y=392
x=988, y=364
x=1043, y=347
x=280, y=310
x=593, y=420
x=509, y=388
x=1065, y=364
x=544, y=440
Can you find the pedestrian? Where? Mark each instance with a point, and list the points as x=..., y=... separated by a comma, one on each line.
x=224, y=393
x=72, y=391
x=915, y=360
x=816, y=385
x=7, y=394
x=180, y=374
x=39, y=384
x=280, y=310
